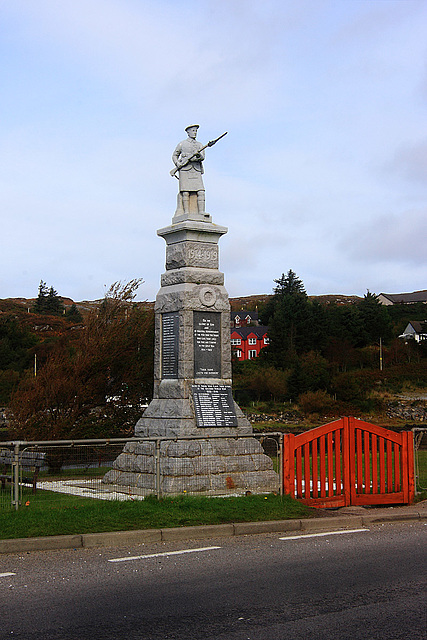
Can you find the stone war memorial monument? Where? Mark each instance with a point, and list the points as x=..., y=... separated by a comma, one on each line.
x=192, y=400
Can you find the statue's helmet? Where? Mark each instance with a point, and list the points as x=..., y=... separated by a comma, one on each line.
x=192, y=126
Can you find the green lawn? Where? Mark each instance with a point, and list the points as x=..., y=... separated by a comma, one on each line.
x=71, y=514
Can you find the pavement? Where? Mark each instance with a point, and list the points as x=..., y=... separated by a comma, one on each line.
x=327, y=520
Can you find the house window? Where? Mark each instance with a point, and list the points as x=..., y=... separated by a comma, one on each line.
x=235, y=341
x=252, y=354
x=266, y=340
x=238, y=353
x=252, y=341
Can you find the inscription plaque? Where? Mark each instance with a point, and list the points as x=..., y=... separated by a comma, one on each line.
x=170, y=334
x=214, y=406
x=207, y=344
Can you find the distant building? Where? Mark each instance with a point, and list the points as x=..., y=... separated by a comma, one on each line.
x=403, y=298
x=244, y=318
x=415, y=330
x=247, y=342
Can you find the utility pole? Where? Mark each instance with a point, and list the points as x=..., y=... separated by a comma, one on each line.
x=381, y=354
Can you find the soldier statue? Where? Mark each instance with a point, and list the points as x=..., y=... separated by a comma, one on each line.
x=187, y=158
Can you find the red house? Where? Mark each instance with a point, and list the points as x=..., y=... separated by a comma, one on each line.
x=247, y=342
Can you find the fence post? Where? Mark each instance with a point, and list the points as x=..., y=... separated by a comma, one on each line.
x=411, y=466
x=281, y=437
x=15, y=476
x=349, y=459
x=289, y=464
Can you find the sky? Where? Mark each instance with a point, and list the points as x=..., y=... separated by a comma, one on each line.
x=323, y=170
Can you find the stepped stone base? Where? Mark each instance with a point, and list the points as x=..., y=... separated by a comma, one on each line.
x=207, y=466
x=174, y=417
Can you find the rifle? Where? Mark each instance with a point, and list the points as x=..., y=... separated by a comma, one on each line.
x=211, y=143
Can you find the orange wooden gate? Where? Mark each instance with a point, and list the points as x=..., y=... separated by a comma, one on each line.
x=349, y=462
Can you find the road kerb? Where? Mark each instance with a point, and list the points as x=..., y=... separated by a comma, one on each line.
x=268, y=526
x=121, y=538
x=396, y=517
x=195, y=533
x=45, y=543
x=335, y=522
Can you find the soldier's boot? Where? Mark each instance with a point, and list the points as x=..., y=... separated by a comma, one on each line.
x=201, y=202
x=186, y=202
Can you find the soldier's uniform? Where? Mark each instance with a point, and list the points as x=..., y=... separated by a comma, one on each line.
x=190, y=175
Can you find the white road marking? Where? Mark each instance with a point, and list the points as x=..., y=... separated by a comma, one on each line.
x=324, y=533
x=161, y=555
x=5, y=575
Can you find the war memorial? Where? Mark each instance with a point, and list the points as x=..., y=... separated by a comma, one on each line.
x=195, y=437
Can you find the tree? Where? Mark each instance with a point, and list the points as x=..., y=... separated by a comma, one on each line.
x=15, y=343
x=73, y=314
x=112, y=356
x=375, y=319
x=289, y=316
x=289, y=284
x=54, y=303
x=255, y=381
x=48, y=301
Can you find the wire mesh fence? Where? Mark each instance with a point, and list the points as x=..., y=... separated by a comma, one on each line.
x=420, y=452
x=133, y=468
x=123, y=469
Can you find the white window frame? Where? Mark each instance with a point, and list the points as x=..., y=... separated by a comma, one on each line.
x=236, y=341
x=252, y=354
x=252, y=341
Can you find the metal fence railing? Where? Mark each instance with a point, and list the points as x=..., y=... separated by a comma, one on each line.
x=133, y=468
x=420, y=458
x=50, y=470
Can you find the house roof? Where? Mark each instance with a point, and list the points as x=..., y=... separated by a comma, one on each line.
x=418, y=326
x=244, y=332
x=244, y=314
x=405, y=298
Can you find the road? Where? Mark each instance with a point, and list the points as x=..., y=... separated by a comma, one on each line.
x=367, y=584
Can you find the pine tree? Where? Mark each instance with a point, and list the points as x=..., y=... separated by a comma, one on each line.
x=289, y=284
x=48, y=300
x=376, y=322
x=54, y=303
x=40, y=303
x=288, y=316
x=73, y=314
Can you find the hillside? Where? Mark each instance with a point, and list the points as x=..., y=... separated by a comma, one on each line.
x=251, y=302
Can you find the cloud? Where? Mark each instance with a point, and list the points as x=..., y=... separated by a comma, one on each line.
x=166, y=55
x=394, y=239
x=410, y=162
x=322, y=171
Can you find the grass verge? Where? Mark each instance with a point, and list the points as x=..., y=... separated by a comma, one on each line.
x=73, y=515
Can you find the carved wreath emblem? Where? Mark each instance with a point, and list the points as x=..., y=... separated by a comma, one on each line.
x=207, y=296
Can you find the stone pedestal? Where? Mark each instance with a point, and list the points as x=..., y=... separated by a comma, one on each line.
x=192, y=332
x=192, y=378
